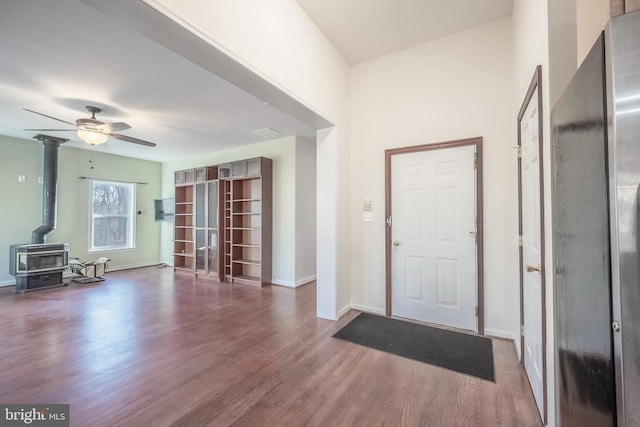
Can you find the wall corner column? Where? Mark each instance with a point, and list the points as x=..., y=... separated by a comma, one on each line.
x=327, y=223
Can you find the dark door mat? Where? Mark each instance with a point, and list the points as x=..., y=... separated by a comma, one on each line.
x=465, y=353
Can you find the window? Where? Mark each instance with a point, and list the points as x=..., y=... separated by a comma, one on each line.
x=112, y=215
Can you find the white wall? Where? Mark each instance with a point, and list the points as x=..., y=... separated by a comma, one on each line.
x=283, y=154
x=562, y=46
x=531, y=48
x=452, y=88
x=22, y=210
x=278, y=41
x=591, y=16
x=305, y=199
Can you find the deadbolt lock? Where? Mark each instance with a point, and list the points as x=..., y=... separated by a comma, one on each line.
x=532, y=268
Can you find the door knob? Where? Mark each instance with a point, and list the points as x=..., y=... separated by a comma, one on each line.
x=532, y=268
x=396, y=243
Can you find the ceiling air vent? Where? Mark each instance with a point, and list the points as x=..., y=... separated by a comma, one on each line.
x=268, y=133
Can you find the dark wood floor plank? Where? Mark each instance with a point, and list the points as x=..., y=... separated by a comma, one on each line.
x=150, y=347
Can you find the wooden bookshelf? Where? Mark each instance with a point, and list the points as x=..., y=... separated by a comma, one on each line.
x=183, y=237
x=223, y=221
x=249, y=219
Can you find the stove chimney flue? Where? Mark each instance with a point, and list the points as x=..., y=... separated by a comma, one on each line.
x=50, y=185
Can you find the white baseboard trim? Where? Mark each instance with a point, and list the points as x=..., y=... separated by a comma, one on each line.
x=285, y=283
x=344, y=310
x=498, y=333
x=11, y=282
x=364, y=308
x=291, y=283
x=305, y=280
x=368, y=309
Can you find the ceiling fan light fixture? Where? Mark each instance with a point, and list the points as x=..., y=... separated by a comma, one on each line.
x=92, y=137
x=93, y=131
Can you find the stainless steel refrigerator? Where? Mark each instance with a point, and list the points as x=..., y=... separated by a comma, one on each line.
x=595, y=153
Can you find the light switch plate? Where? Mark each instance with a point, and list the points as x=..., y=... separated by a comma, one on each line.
x=22, y=179
x=367, y=216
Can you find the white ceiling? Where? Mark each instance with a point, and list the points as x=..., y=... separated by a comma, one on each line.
x=56, y=57
x=365, y=29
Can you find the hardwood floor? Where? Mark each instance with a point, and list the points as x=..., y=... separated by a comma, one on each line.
x=150, y=348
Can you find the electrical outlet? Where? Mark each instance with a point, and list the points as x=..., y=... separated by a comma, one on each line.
x=367, y=216
x=368, y=205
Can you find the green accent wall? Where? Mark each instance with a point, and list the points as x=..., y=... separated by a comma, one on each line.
x=21, y=203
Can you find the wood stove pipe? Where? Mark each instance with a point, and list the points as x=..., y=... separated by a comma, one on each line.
x=50, y=184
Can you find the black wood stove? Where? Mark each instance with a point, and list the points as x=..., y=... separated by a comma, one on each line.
x=40, y=264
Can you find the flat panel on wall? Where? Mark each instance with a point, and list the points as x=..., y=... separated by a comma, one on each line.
x=415, y=214
x=414, y=170
x=447, y=214
x=446, y=168
x=448, y=283
x=414, y=277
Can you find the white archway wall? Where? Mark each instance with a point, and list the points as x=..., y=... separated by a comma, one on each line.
x=279, y=42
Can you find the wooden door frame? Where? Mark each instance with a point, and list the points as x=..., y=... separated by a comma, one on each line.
x=536, y=83
x=477, y=143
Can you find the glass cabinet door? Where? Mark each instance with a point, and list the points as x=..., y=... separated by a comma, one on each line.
x=212, y=258
x=200, y=204
x=212, y=228
x=200, y=249
x=212, y=208
x=201, y=235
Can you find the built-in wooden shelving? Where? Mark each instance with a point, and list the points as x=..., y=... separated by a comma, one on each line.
x=223, y=221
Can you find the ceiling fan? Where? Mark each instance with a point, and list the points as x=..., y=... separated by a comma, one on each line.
x=93, y=131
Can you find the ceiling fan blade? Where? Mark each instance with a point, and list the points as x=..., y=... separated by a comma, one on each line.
x=114, y=127
x=131, y=139
x=40, y=114
x=52, y=130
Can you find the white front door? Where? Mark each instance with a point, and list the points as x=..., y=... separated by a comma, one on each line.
x=433, y=234
x=531, y=250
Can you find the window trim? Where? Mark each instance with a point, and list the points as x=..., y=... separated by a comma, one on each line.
x=132, y=215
